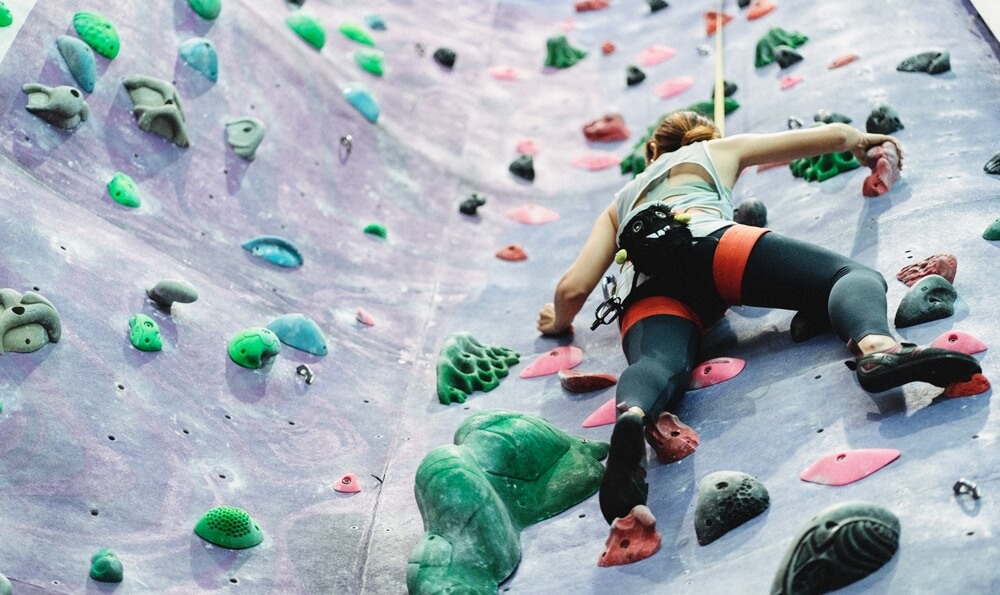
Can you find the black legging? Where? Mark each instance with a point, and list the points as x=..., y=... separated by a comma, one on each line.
x=781, y=272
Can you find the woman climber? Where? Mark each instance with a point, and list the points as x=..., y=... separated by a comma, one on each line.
x=685, y=261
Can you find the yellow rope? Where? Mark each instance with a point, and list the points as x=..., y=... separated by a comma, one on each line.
x=720, y=92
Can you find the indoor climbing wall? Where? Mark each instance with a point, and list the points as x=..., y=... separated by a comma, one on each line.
x=290, y=178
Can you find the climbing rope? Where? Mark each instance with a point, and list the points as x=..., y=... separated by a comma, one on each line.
x=720, y=92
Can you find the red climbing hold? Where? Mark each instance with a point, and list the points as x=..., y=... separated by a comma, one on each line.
x=711, y=21
x=976, y=386
x=585, y=382
x=671, y=439
x=884, y=163
x=944, y=264
x=596, y=161
x=348, y=484
x=586, y=5
x=673, y=87
x=759, y=9
x=604, y=415
x=560, y=358
x=607, y=128
x=959, y=341
x=716, y=370
x=532, y=214
x=512, y=252
x=632, y=538
x=843, y=61
x=846, y=467
x=608, y=47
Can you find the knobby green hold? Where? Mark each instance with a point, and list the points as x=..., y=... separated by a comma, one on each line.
x=105, y=566
x=560, y=54
x=124, y=190
x=144, y=333
x=992, y=233
x=229, y=527
x=357, y=33
x=505, y=471
x=98, y=32
x=466, y=365
x=308, y=28
x=371, y=60
x=5, y=20
x=206, y=9
x=254, y=347
x=376, y=229
x=823, y=167
x=774, y=38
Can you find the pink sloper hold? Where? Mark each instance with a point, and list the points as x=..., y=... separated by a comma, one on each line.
x=759, y=9
x=632, y=538
x=843, y=61
x=364, y=317
x=959, y=341
x=848, y=466
x=560, y=358
x=595, y=161
x=527, y=146
x=673, y=87
x=512, y=252
x=604, y=415
x=788, y=81
x=585, y=382
x=532, y=214
x=503, y=73
x=654, y=54
x=348, y=484
x=716, y=370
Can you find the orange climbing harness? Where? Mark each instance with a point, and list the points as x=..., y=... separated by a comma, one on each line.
x=657, y=305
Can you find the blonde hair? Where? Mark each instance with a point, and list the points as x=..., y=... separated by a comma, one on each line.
x=679, y=129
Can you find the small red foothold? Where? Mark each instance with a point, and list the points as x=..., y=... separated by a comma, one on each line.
x=583, y=382
x=671, y=439
x=348, y=484
x=843, y=61
x=975, y=386
x=364, y=317
x=512, y=252
x=632, y=538
x=759, y=9
x=711, y=21
x=607, y=47
x=586, y=5
x=943, y=264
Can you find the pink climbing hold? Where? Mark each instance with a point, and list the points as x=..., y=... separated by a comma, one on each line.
x=527, y=146
x=364, y=317
x=716, y=370
x=846, y=467
x=977, y=385
x=532, y=214
x=568, y=24
x=673, y=87
x=788, y=81
x=632, y=538
x=843, y=61
x=671, y=439
x=512, y=252
x=654, y=54
x=772, y=165
x=585, y=382
x=348, y=484
x=503, y=73
x=596, y=161
x=759, y=9
x=604, y=415
x=884, y=163
x=959, y=341
x=560, y=358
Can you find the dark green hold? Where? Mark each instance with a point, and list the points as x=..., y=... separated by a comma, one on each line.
x=561, y=54
x=774, y=38
x=992, y=233
x=105, y=567
x=466, y=365
x=505, y=471
x=931, y=298
x=229, y=527
x=308, y=27
x=823, y=167
x=376, y=229
x=523, y=167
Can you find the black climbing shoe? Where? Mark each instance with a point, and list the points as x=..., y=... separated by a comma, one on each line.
x=906, y=363
x=624, y=485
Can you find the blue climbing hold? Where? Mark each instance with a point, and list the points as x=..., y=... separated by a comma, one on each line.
x=275, y=250
x=80, y=60
x=362, y=100
x=299, y=331
x=375, y=22
x=199, y=53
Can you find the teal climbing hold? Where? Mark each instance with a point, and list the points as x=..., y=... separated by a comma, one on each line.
x=466, y=365
x=229, y=527
x=206, y=9
x=105, y=566
x=276, y=250
x=376, y=229
x=370, y=60
x=79, y=60
x=355, y=32
x=299, y=331
x=144, y=333
x=308, y=27
x=124, y=190
x=5, y=20
x=375, y=21
x=199, y=53
x=823, y=167
x=95, y=29
x=358, y=96
x=254, y=347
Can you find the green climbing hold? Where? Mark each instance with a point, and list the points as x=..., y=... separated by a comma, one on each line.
x=371, y=60
x=357, y=33
x=823, y=167
x=774, y=38
x=560, y=54
x=376, y=229
x=308, y=28
x=229, y=527
x=992, y=232
x=254, y=347
x=105, y=566
x=466, y=365
x=144, y=333
x=95, y=29
x=5, y=17
x=124, y=191
x=206, y=9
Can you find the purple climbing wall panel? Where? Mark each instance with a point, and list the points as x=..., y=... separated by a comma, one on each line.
x=105, y=445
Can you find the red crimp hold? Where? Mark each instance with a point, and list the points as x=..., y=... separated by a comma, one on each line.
x=843, y=61
x=711, y=21
x=976, y=386
x=585, y=382
x=608, y=47
x=607, y=128
x=759, y=9
x=943, y=264
x=632, y=538
x=884, y=163
x=671, y=439
x=585, y=5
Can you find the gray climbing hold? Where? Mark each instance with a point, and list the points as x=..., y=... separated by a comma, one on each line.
x=157, y=108
x=993, y=165
x=79, y=60
x=199, y=53
x=168, y=291
x=883, y=120
x=726, y=500
x=785, y=56
x=829, y=117
x=27, y=322
x=62, y=106
x=299, y=331
x=523, y=167
x=933, y=62
x=751, y=212
x=244, y=135
x=931, y=298
x=634, y=75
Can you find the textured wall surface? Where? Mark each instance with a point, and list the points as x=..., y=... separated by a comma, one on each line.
x=102, y=445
